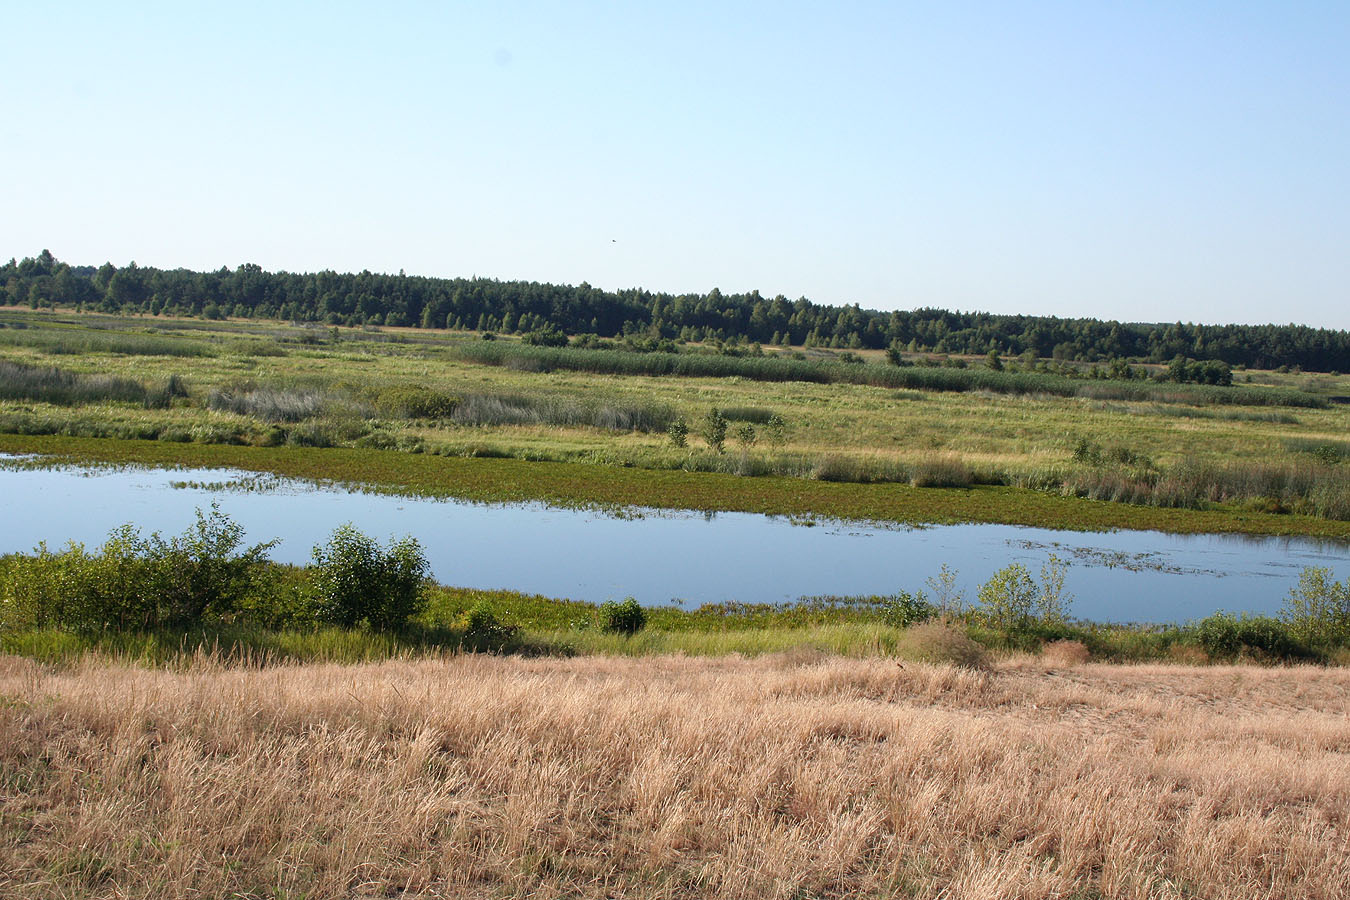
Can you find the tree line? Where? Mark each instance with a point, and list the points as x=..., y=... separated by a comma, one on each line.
x=528, y=307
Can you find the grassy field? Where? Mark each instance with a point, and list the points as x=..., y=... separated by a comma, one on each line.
x=408, y=410
x=790, y=775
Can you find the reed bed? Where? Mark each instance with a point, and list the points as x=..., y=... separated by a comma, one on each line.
x=48, y=384
x=1307, y=487
x=769, y=368
x=68, y=342
x=793, y=775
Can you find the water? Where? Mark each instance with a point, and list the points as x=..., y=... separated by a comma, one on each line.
x=661, y=556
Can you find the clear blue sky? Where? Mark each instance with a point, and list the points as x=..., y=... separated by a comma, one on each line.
x=1146, y=161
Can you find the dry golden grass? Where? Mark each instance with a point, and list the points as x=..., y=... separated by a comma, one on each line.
x=789, y=776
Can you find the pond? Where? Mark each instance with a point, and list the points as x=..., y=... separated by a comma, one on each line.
x=660, y=556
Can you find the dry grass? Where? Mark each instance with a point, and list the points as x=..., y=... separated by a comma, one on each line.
x=785, y=776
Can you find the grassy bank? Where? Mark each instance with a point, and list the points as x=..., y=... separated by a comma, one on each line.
x=785, y=776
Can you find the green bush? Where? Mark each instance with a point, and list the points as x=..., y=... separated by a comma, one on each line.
x=354, y=581
x=905, y=609
x=679, y=432
x=622, y=617
x=1317, y=611
x=715, y=429
x=1224, y=636
x=483, y=629
x=134, y=583
x=1006, y=598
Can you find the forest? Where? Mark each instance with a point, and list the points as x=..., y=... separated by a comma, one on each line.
x=534, y=308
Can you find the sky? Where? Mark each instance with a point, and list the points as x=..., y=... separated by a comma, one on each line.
x=1145, y=161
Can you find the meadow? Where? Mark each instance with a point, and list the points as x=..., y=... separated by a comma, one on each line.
x=788, y=775
x=961, y=444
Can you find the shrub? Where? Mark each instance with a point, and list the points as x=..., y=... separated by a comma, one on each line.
x=1317, y=610
x=482, y=627
x=134, y=582
x=354, y=581
x=951, y=600
x=715, y=429
x=745, y=435
x=545, y=337
x=1065, y=653
x=905, y=609
x=1006, y=598
x=679, y=432
x=1052, y=606
x=1224, y=635
x=416, y=401
x=777, y=429
x=625, y=617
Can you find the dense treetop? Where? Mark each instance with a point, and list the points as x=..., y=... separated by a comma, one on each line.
x=531, y=307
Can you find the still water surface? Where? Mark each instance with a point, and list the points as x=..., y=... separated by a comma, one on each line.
x=662, y=556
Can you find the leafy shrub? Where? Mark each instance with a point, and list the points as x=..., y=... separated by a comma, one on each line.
x=133, y=582
x=905, y=609
x=1225, y=636
x=679, y=432
x=1317, y=610
x=354, y=581
x=1006, y=598
x=777, y=429
x=626, y=616
x=482, y=628
x=715, y=429
x=545, y=337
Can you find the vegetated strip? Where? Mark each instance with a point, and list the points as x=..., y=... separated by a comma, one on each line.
x=765, y=368
x=580, y=484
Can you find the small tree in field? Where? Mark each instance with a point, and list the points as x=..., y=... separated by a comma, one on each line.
x=679, y=432
x=1318, y=609
x=356, y=581
x=715, y=429
x=1006, y=598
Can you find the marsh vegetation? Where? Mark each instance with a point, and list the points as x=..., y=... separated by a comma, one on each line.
x=1245, y=451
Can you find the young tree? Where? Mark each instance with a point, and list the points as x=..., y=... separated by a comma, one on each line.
x=715, y=429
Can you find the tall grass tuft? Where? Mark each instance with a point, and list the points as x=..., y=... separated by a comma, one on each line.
x=48, y=384
x=516, y=409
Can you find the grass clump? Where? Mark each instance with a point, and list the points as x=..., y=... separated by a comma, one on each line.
x=943, y=642
x=48, y=384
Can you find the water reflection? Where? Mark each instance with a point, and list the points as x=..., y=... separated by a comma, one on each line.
x=664, y=556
